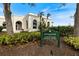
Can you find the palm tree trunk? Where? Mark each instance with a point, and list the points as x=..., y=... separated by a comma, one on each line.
x=76, y=22
x=7, y=15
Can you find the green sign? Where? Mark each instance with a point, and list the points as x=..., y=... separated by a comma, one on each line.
x=48, y=35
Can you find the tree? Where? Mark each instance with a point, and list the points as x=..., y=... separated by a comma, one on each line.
x=76, y=21
x=31, y=4
x=48, y=15
x=7, y=15
x=42, y=25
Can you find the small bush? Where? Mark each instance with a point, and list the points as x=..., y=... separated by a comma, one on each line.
x=34, y=35
x=72, y=41
x=22, y=37
x=5, y=39
x=64, y=30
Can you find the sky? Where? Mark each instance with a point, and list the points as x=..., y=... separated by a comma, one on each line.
x=61, y=15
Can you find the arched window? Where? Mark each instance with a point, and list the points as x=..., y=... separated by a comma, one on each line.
x=18, y=25
x=48, y=24
x=34, y=24
x=4, y=24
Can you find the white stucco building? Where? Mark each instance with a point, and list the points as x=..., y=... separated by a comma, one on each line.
x=29, y=22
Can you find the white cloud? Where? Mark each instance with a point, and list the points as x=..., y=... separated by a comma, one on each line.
x=64, y=9
x=45, y=9
x=63, y=18
x=61, y=7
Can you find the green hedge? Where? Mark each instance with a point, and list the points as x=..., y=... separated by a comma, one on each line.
x=22, y=37
x=64, y=30
x=72, y=41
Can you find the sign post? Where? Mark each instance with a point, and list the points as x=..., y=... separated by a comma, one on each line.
x=50, y=35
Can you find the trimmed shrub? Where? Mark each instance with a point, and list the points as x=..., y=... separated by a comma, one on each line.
x=5, y=39
x=34, y=36
x=64, y=30
x=72, y=41
x=22, y=37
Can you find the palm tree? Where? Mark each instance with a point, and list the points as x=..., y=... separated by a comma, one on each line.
x=7, y=15
x=40, y=15
x=48, y=15
x=31, y=4
x=76, y=21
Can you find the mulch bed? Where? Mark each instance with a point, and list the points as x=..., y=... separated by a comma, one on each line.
x=33, y=49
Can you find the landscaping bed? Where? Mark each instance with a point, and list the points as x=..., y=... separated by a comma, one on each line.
x=33, y=49
x=28, y=44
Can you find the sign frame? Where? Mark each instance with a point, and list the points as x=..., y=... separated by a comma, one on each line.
x=50, y=34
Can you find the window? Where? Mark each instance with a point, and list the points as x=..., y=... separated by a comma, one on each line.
x=34, y=24
x=48, y=24
x=4, y=24
x=18, y=25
